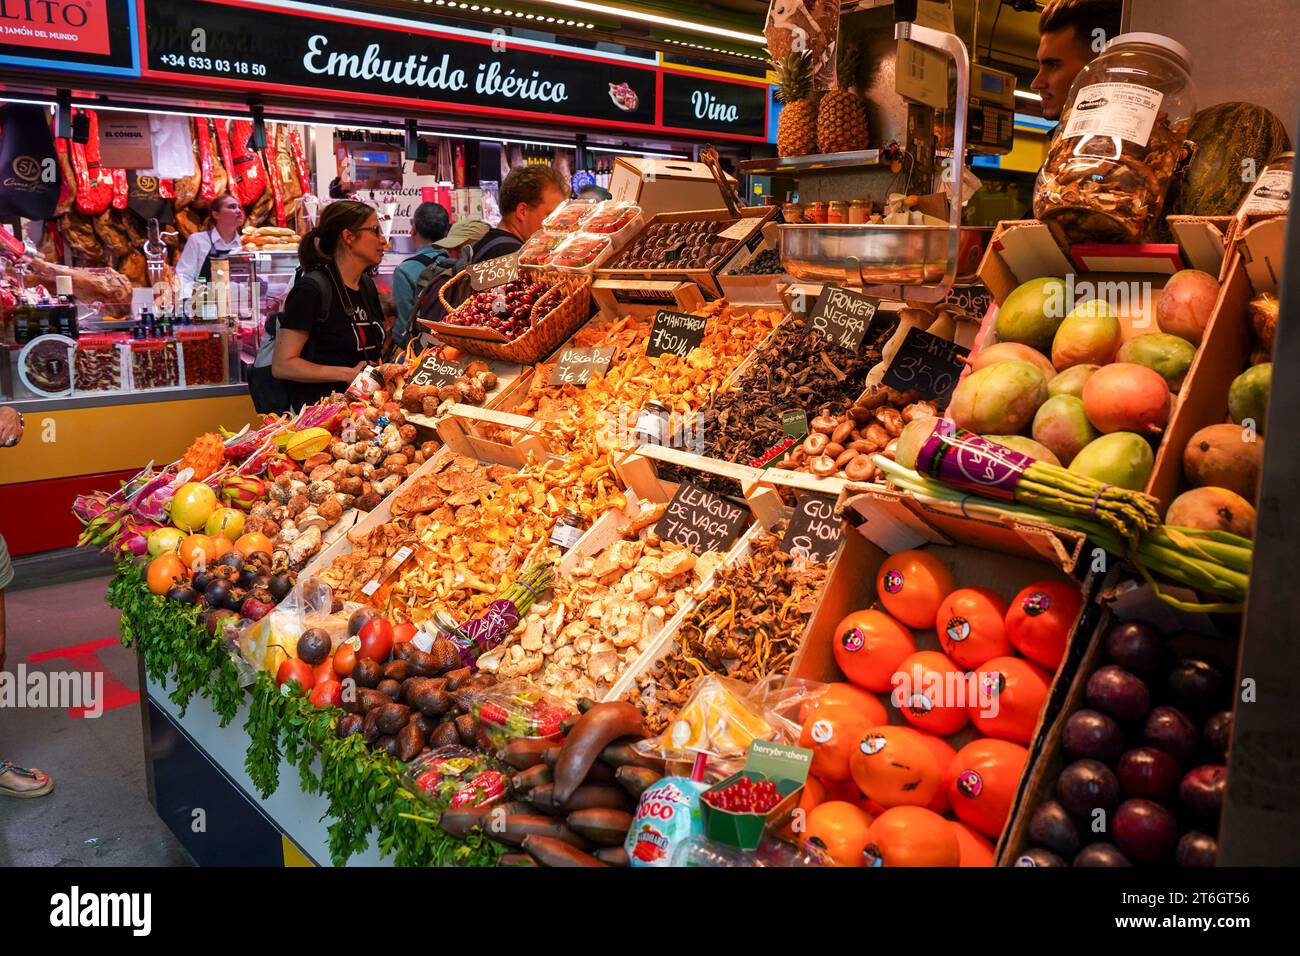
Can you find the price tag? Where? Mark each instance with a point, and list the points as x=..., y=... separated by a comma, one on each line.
x=675, y=333
x=701, y=520
x=436, y=371
x=739, y=230
x=494, y=272
x=576, y=366
x=927, y=363
x=843, y=316
x=814, y=530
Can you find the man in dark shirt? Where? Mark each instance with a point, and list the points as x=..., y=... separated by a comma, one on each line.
x=528, y=195
x=1071, y=35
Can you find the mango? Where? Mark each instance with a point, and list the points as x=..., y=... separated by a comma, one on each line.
x=1212, y=509
x=1248, y=395
x=1071, y=381
x=1225, y=456
x=1167, y=355
x=999, y=399
x=1032, y=314
x=1125, y=397
x=1089, y=335
x=1006, y=351
x=1062, y=425
x=1026, y=446
x=1122, y=459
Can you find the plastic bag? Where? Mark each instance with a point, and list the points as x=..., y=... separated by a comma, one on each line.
x=456, y=777
x=173, y=148
x=514, y=709
x=268, y=643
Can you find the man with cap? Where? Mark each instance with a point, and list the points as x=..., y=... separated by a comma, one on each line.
x=436, y=260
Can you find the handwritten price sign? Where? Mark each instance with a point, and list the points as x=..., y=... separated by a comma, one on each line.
x=927, y=363
x=675, y=333
x=437, y=372
x=700, y=520
x=494, y=272
x=814, y=530
x=843, y=316
x=576, y=366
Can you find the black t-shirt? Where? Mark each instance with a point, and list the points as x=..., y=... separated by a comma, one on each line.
x=352, y=331
x=496, y=243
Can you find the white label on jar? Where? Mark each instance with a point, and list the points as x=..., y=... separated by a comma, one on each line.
x=424, y=641
x=1271, y=194
x=651, y=425
x=565, y=536
x=1125, y=110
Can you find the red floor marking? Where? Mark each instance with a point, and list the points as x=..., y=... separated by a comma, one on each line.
x=82, y=657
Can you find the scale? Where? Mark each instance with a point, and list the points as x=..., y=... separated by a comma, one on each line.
x=911, y=263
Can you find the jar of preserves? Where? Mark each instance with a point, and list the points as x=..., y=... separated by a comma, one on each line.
x=1272, y=190
x=1113, y=155
x=792, y=212
x=819, y=212
x=838, y=212
x=860, y=211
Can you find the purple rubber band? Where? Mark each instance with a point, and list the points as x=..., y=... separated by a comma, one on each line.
x=1097, y=499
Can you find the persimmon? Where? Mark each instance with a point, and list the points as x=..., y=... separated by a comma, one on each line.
x=868, y=647
x=912, y=836
x=1040, y=619
x=976, y=849
x=252, y=543
x=1011, y=695
x=971, y=626
x=199, y=552
x=893, y=767
x=164, y=571
x=911, y=585
x=982, y=781
x=840, y=829
x=931, y=692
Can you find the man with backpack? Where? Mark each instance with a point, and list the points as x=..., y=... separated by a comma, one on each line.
x=417, y=280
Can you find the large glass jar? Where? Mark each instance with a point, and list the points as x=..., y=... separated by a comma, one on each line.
x=1112, y=157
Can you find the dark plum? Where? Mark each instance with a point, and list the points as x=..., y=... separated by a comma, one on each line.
x=1052, y=827
x=1202, y=790
x=235, y=599
x=1148, y=772
x=1170, y=730
x=217, y=592
x=201, y=581
x=1091, y=734
x=1199, y=685
x=1136, y=647
x=1087, y=785
x=1145, y=830
x=1218, y=733
x=1197, y=849
x=1115, y=691
x=314, y=645
x=183, y=593
x=1101, y=854
x=1037, y=856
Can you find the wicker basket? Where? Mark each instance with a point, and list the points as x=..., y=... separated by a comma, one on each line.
x=546, y=331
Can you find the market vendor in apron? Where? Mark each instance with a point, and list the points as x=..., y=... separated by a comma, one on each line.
x=218, y=240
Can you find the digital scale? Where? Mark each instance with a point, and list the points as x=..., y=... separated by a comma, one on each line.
x=990, y=115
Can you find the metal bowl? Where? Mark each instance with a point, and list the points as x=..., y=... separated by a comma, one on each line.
x=873, y=255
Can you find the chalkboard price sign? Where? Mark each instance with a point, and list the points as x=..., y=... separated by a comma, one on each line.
x=576, y=366
x=843, y=316
x=493, y=272
x=675, y=333
x=701, y=520
x=927, y=363
x=436, y=371
x=814, y=530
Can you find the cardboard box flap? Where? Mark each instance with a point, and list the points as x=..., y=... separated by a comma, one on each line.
x=1201, y=239
x=883, y=518
x=655, y=170
x=1061, y=551
x=1027, y=250
x=1262, y=247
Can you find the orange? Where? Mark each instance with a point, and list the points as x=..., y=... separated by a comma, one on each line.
x=893, y=767
x=223, y=545
x=975, y=849
x=912, y=836
x=868, y=646
x=911, y=584
x=931, y=692
x=163, y=572
x=970, y=626
x=812, y=795
x=253, y=542
x=199, y=552
x=944, y=753
x=1012, y=692
x=982, y=781
x=1040, y=619
x=841, y=829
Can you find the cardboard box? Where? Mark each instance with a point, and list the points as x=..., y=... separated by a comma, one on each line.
x=1004, y=556
x=753, y=290
x=1256, y=265
x=665, y=185
x=643, y=298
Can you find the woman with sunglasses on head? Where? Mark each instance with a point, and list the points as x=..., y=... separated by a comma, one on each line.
x=332, y=325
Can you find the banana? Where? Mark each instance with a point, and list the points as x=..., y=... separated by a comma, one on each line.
x=516, y=859
x=612, y=855
x=622, y=755
x=524, y=752
x=552, y=852
x=593, y=732
x=636, y=780
x=534, y=776
x=520, y=825
x=459, y=822
x=600, y=825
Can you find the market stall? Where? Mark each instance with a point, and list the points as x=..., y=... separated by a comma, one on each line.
x=769, y=552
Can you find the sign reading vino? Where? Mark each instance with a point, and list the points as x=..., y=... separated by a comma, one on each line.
x=692, y=101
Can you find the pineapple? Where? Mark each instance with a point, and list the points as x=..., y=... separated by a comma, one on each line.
x=842, y=120
x=796, y=130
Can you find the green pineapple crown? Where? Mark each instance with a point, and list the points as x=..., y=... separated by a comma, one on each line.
x=793, y=76
x=847, y=57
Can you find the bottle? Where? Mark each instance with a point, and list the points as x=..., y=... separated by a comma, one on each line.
x=653, y=424
x=568, y=529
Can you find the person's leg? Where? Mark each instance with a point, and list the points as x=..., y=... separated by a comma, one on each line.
x=16, y=781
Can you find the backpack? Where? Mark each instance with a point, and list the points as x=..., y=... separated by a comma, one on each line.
x=428, y=307
x=268, y=392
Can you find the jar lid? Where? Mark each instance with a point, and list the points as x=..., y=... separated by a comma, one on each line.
x=1156, y=40
x=1288, y=154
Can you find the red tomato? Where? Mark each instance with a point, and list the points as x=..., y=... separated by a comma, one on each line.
x=404, y=632
x=324, y=671
x=344, y=659
x=295, y=669
x=982, y=781
x=931, y=692
x=328, y=694
x=868, y=647
x=1040, y=620
x=911, y=584
x=1011, y=696
x=376, y=640
x=971, y=627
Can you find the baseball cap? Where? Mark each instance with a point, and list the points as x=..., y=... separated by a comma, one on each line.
x=467, y=230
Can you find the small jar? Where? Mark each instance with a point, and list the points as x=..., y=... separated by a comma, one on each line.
x=859, y=211
x=653, y=424
x=1121, y=132
x=837, y=212
x=568, y=529
x=1272, y=190
x=819, y=213
x=792, y=212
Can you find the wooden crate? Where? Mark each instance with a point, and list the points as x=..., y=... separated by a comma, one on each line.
x=643, y=298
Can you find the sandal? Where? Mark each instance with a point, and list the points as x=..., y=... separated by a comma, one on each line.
x=45, y=783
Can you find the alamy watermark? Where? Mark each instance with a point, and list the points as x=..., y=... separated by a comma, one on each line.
x=65, y=690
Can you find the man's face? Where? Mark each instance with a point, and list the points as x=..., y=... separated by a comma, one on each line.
x=530, y=217
x=1061, y=55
